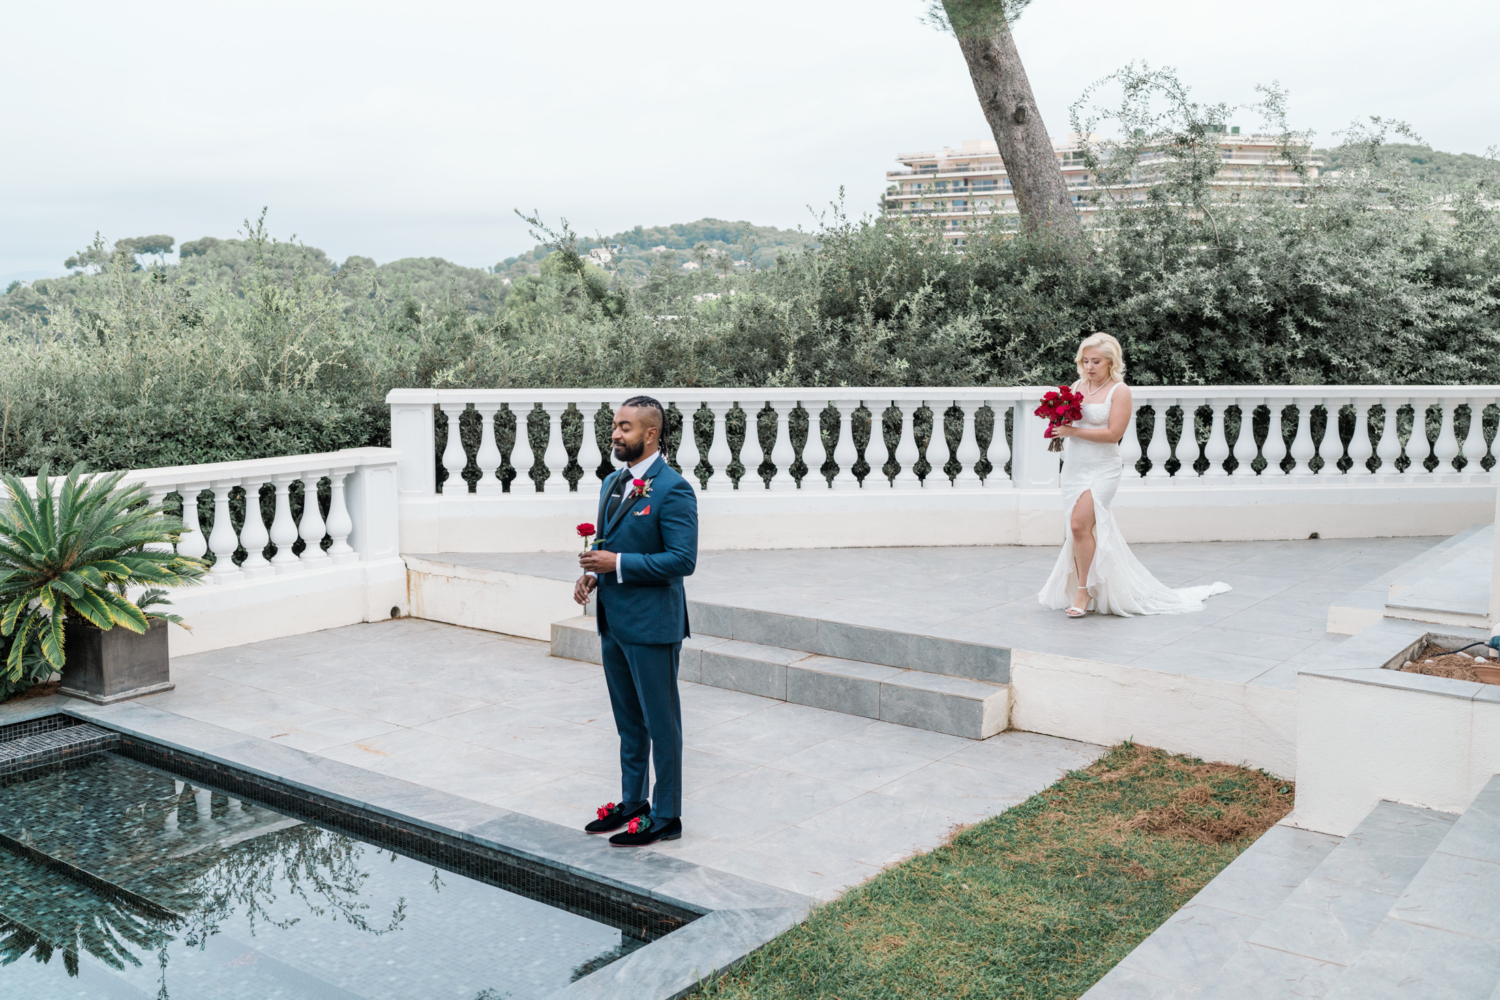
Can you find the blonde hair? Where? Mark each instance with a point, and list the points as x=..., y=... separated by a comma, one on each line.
x=1108, y=346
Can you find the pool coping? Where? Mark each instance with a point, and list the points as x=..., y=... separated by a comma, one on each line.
x=737, y=915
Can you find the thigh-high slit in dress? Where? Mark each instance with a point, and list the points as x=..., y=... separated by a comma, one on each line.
x=1118, y=583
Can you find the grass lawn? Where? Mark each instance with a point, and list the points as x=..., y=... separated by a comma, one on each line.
x=1036, y=903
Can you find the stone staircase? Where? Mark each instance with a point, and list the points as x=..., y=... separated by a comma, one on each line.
x=942, y=685
x=1404, y=907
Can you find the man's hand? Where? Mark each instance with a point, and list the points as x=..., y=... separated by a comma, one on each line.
x=583, y=588
x=598, y=562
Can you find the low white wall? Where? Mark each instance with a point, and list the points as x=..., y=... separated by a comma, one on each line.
x=488, y=599
x=293, y=604
x=1107, y=703
x=1360, y=743
x=942, y=515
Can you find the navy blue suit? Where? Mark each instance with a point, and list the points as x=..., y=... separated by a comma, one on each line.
x=642, y=622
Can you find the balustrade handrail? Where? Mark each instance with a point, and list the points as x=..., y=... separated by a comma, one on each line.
x=1197, y=433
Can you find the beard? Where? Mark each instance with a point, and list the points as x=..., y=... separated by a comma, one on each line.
x=628, y=453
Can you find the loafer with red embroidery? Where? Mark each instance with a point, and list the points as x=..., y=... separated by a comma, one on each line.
x=613, y=815
x=644, y=830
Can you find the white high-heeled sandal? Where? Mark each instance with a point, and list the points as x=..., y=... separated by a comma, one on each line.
x=1078, y=612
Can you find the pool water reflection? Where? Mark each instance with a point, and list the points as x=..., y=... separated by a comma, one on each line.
x=219, y=897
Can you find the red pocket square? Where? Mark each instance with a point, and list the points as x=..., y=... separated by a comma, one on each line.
x=643, y=511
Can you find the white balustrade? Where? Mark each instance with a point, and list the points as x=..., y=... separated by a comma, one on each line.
x=1370, y=440
x=284, y=528
x=158, y=498
x=523, y=456
x=340, y=524
x=191, y=542
x=906, y=477
x=589, y=456
x=845, y=451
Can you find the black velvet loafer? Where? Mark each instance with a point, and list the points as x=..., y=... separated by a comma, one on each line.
x=643, y=831
x=614, y=815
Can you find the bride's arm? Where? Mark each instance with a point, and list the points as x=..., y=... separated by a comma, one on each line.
x=1119, y=419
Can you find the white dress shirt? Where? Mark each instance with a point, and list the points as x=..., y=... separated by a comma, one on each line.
x=637, y=471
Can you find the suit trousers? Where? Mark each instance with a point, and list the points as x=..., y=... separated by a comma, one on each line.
x=642, y=682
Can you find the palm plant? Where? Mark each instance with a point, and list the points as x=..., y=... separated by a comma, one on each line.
x=74, y=550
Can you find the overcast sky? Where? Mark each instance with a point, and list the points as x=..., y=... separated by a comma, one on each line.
x=400, y=130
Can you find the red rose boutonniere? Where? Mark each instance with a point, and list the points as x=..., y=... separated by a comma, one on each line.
x=640, y=488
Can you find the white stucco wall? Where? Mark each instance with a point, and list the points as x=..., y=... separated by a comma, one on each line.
x=488, y=599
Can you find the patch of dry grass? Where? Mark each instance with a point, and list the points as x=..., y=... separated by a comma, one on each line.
x=1035, y=904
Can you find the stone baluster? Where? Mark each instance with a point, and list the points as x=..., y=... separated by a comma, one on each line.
x=454, y=456
x=222, y=539
x=312, y=527
x=488, y=457
x=845, y=453
x=523, y=456
x=906, y=446
x=159, y=497
x=719, y=455
x=283, y=528
x=1303, y=448
x=1418, y=447
x=191, y=542
x=1389, y=448
x=968, y=443
x=556, y=455
x=1217, y=448
x=1244, y=444
x=340, y=524
x=1360, y=448
x=1446, y=445
x=589, y=456
x=688, y=455
x=253, y=535
x=1474, y=447
x=1275, y=448
x=1159, y=448
x=782, y=454
x=999, y=450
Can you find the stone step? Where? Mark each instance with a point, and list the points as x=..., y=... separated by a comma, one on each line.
x=1305, y=945
x=1356, y=611
x=1189, y=949
x=1441, y=938
x=1453, y=590
x=886, y=647
x=958, y=706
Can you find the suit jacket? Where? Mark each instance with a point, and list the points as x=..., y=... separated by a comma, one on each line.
x=656, y=537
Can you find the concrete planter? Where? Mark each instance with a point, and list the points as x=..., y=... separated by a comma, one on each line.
x=105, y=667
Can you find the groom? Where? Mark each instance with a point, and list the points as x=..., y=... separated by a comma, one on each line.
x=647, y=542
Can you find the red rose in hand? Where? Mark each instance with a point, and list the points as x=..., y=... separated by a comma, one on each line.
x=585, y=530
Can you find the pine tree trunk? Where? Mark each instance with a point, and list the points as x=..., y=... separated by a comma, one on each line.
x=1030, y=162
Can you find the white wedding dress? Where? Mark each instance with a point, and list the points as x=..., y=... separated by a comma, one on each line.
x=1118, y=583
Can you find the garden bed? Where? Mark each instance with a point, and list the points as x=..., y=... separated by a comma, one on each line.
x=1435, y=660
x=1037, y=903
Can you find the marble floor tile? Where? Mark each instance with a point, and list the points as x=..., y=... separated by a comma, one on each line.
x=858, y=765
x=967, y=792
x=815, y=864
x=789, y=796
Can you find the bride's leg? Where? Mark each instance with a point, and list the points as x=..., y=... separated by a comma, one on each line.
x=1081, y=523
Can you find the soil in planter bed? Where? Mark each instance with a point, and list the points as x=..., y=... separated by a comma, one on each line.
x=41, y=690
x=1436, y=662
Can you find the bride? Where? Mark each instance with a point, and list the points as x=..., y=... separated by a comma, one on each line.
x=1095, y=565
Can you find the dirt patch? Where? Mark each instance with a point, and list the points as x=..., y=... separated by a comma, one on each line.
x=35, y=691
x=1435, y=662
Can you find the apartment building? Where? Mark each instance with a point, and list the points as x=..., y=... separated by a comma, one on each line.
x=964, y=187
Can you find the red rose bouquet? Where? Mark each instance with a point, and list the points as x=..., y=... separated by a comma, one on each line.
x=1059, y=409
